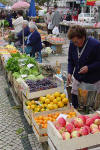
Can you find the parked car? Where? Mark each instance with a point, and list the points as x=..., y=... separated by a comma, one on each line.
x=86, y=17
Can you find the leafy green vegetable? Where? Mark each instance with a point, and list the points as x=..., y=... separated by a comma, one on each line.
x=31, y=77
x=15, y=55
x=40, y=77
x=12, y=65
x=31, y=60
x=16, y=75
x=25, y=70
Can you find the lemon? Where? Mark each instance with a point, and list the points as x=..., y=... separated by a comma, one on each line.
x=58, y=99
x=51, y=103
x=28, y=107
x=45, y=105
x=32, y=106
x=57, y=94
x=55, y=101
x=42, y=99
x=52, y=98
x=32, y=102
x=48, y=96
x=47, y=101
x=42, y=109
x=65, y=100
x=55, y=106
x=28, y=102
x=50, y=106
x=60, y=104
x=63, y=95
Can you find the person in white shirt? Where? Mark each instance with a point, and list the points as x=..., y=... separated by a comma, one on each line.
x=18, y=22
x=48, y=21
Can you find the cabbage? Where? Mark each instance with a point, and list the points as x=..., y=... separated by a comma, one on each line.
x=19, y=80
x=40, y=77
x=31, y=77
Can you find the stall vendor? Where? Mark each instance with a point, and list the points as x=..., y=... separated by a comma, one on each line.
x=34, y=40
x=23, y=34
x=83, y=60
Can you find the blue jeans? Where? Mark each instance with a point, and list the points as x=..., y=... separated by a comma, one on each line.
x=27, y=49
x=39, y=56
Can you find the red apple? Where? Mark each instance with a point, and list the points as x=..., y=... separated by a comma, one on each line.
x=61, y=121
x=86, y=117
x=95, y=130
x=97, y=121
x=78, y=122
x=69, y=127
x=61, y=129
x=83, y=118
x=89, y=121
x=84, y=131
x=72, y=121
x=89, y=130
x=92, y=126
x=66, y=135
x=99, y=127
x=96, y=117
x=75, y=134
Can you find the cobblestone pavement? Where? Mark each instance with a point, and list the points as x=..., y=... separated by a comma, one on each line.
x=15, y=133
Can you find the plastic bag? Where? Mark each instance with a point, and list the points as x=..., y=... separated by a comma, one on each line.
x=55, y=31
x=50, y=26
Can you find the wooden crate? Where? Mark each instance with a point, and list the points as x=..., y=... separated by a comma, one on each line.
x=56, y=141
x=60, y=110
x=10, y=77
x=27, y=113
x=28, y=118
x=31, y=95
x=40, y=138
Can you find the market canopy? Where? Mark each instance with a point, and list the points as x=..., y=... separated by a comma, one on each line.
x=20, y=5
x=2, y=5
x=32, y=10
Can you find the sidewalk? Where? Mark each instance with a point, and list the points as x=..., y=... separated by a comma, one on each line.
x=15, y=133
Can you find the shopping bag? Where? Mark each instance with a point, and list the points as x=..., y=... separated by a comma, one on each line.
x=55, y=30
x=50, y=26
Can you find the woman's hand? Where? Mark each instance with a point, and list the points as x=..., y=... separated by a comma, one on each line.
x=83, y=70
x=69, y=79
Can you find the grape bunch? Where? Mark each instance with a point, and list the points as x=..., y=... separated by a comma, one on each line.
x=38, y=85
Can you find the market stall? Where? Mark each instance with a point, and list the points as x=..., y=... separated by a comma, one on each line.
x=92, y=29
x=41, y=93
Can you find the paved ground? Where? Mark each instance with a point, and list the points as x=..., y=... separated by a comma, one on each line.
x=15, y=133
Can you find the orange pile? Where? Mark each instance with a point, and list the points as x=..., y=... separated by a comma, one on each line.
x=42, y=120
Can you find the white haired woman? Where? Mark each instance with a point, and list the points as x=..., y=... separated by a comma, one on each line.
x=34, y=40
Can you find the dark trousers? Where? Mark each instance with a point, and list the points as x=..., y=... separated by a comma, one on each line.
x=75, y=101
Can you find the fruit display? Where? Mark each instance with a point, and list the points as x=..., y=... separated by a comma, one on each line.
x=79, y=126
x=56, y=40
x=49, y=102
x=43, y=84
x=42, y=120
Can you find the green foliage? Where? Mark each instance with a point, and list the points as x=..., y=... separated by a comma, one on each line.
x=12, y=65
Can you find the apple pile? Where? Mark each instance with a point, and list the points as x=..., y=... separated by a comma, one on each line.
x=79, y=126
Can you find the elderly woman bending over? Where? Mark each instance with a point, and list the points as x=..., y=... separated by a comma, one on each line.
x=34, y=42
